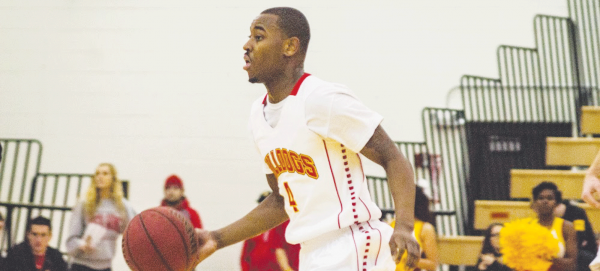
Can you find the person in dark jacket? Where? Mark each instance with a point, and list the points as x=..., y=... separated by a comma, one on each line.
x=175, y=198
x=34, y=253
x=586, y=240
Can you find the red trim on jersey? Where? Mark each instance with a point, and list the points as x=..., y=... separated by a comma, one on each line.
x=299, y=83
x=334, y=183
x=365, y=207
x=380, y=241
x=295, y=89
x=355, y=248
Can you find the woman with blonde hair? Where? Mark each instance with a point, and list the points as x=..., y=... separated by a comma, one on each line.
x=97, y=221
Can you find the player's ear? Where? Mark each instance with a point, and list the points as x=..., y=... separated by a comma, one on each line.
x=291, y=46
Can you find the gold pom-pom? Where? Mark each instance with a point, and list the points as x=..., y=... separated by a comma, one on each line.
x=527, y=245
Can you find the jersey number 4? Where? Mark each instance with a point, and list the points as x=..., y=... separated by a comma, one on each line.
x=290, y=196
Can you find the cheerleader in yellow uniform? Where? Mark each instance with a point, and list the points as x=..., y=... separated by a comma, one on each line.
x=546, y=198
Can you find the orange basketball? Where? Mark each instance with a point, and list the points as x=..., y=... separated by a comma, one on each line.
x=160, y=238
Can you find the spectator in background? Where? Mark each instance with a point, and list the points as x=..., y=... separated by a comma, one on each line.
x=586, y=240
x=175, y=197
x=97, y=221
x=490, y=258
x=34, y=253
x=424, y=232
x=546, y=198
x=269, y=251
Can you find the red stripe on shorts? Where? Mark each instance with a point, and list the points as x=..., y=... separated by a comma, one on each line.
x=380, y=241
x=355, y=248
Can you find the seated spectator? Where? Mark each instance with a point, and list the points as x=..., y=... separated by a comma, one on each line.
x=546, y=198
x=490, y=258
x=34, y=253
x=269, y=251
x=175, y=197
x=586, y=240
x=424, y=232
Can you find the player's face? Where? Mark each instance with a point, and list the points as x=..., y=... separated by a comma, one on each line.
x=103, y=177
x=173, y=193
x=264, y=50
x=545, y=202
x=39, y=237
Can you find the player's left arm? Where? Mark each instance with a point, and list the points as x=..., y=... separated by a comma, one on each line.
x=268, y=214
x=383, y=151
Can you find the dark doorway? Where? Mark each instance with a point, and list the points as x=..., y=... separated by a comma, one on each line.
x=496, y=148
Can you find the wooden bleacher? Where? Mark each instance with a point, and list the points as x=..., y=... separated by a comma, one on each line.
x=522, y=182
x=590, y=119
x=495, y=211
x=459, y=250
x=571, y=151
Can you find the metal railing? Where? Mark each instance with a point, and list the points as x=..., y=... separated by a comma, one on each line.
x=21, y=159
x=445, y=135
x=586, y=16
x=52, y=195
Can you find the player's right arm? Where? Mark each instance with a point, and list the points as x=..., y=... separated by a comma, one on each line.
x=265, y=216
x=591, y=183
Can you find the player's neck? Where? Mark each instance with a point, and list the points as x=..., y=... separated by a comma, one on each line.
x=281, y=86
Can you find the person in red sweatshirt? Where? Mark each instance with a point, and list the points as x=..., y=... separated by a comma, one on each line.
x=269, y=251
x=175, y=198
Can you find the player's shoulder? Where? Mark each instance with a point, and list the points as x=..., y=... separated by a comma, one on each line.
x=316, y=87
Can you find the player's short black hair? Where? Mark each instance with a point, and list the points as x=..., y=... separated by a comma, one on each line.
x=40, y=220
x=293, y=23
x=547, y=185
x=1, y=217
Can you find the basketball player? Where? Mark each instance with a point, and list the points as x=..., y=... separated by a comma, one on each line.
x=310, y=132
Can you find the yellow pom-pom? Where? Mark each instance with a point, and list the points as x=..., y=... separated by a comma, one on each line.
x=527, y=245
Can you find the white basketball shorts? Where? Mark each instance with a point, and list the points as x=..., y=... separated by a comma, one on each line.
x=362, y=247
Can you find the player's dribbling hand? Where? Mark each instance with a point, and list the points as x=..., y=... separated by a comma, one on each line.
x=207, y=245
x=402, y=240
x=591, y=185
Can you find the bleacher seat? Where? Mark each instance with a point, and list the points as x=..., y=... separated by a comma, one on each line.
x=571, y=151
x=459, y=250
x=590, y=119
x=522, y=182
x=496, y=211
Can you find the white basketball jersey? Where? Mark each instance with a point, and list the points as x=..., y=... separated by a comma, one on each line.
x=322, y=180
